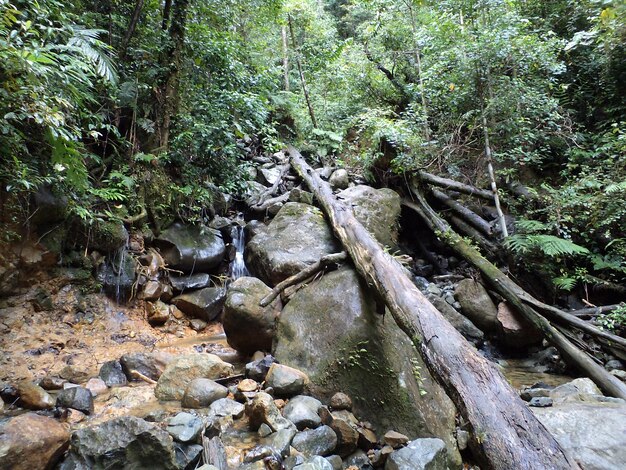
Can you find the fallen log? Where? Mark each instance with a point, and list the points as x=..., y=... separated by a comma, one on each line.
x=506, y=288
x=594, y=311
x=455, y=185
x=505, y=433
x=471, y=232
x=463, y=212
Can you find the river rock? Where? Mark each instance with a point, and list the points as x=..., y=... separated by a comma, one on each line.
x=157, y=312
x=51, y=382
x=420, y=454
x=112, y=374
x=593, y=433
x=476, y=304
x=299, y=195
x=248, y=326
x=183, y=369
x=152, y=290
x=297, y=237
x=460, y=322
x=319, y=441
x=227, y=407
x=257, y=370
x=369, y=359
x=513, y=330
x=151, y=365
x=377, y=209
x=205, y=304
x=78, y=398
x=96, y=386
x=358, y=460
x=30, y=441
x=344, y=427
x=302, y=411
x=285, y=380
x=191, y=248
x=340, y=401
x=314, y=463
x=117, y=276
x=339, y=179
x=395, y=439
x=188, y=456
x=33, y=397
x=262, y=409
x=126, y=443
x=190, y=282
x=200, y=393
x=581, y=389
x=184, y=427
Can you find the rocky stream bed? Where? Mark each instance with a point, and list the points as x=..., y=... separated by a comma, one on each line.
x=179, y=367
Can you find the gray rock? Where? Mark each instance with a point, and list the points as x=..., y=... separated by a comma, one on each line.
x=285, y=380
x=339, y=179
x=340, y=401
x=125, y=443
x=200, y=393
x=191, y=248
x=112, y=374
x=248, y=326
x=582, y=389
x=377, y=209
x=614, y=364
x=227, y=407
x=190, y=282
x=395, y=439
x=77, y=398
x=297, y=237
x=358, y=347
x=281, y=440
x=420, y=454
x=593, y=433
x=461, y=323
x=151, y=365
x=476, y=304
x=302, y=411
x=319, y=441
x=269, y=175
x=262, y=409
x=205, y=304
x=184, y=427
x=358, y=460
x=197, y=325
x=540, y=402
x=298, y=195
x=335, y=461
x=183, y=369
x=257, y=370
x=188, y=456
x=314, y=463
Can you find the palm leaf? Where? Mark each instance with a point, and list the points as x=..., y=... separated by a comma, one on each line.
x=86, y=43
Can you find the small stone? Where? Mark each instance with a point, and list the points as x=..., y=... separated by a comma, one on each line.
x=379, y=457
x=433, y=289
x=314, y=463
x=264, y=430
x=227, y=407
x=320, y=441
x=343, y=424
x=339, y=179
x=112, y=374
x=262, y=409
x=335, y=461
x=395, y=439
x=152, y=290
x=462, y=438
x=157, y=312
x=74, y=416
x=529, y=393
x=184, y=427
x=34, y=397
x=78, y=398
x=197, y=325
x=151, y=365
x=258, y=368
x=74, y=374
x=188, y=456
x=303, y=412
x=248, y=385
x=200, y=393
x=614, y=364
x=50, y=382
x=340, y=401
x=286, y=381
x=96, y=386
x=367, y=438
x=541, y=402
x=281, y=440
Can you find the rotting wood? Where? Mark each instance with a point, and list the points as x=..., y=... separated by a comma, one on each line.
x=594, y=311
x=463, y=212
x=505, y=433
x=509, y=291
x=323, y=263
x=447, y=183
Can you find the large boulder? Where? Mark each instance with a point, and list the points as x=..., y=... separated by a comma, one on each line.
x=191, y=248
x=125, y=443
x=330, y=331
x=248, y=326
x=377, y=209
x=476, y=304
x=205, y=304
x=181, y=371
x=30, y=441
x=297, y=237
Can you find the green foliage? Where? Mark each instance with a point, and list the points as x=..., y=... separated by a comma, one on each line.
x=615, y=320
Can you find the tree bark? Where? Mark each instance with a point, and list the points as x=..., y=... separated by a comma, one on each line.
x=131, y=28
x=506, y=288
x=455, y=185
x=463, y=212
x=301, y=72
x=505, y=433
x=283, y=33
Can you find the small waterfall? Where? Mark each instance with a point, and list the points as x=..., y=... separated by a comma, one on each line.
x=238, y=266
x=117, y=275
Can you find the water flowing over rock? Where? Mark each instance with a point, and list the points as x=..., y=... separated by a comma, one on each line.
x=297, y=237
x=238, y=266
x=330, y=331
x=191, y=248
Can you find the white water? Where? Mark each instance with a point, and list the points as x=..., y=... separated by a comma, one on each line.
x=238, y=266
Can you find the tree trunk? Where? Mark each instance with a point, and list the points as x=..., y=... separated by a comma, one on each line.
x=505, y=433
x=283, y=33
x=510, y=292
x=301, y=72
x=455, y=185
x=463, y=212
x=131, y=28
x=167, y=8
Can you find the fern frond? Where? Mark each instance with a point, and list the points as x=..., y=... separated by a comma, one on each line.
x=615, y=188
x=555, y=246
x=531, y=226
x=564, y=283
x=518, y=243
x=86, y=43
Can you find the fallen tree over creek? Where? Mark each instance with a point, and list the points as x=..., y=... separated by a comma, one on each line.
x=505, y=433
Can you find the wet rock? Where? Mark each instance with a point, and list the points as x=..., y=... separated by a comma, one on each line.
x=184, y=427
x=340, y=401
x=191, y=248
x=149, y=364
x=33, y=397
x=117, y=276
x=281, y=440
x=297, y=237
x=461, y=323
x=257, y=370
x=152, y=290
x=302, y=411
x=30, y=441
x=96, y=386
x=395, y=439
x=205, y=304
x=78, y=398
x=188, y=456
x=126, y=442
x=227, y=407
x=476, y=304
x=112, y=374
x=420, y=454
x=190, y=282
x=183, y=369
x=537, y=390
x=200, y=393
x=339, y=179
x=540, y=402
x=248, y=326
x=157, y=312
x=314, y=463
x=284, y=380
x=377, y=209
x=262, y=409
x=513, y=330
x=594, y=434
x=75, y=374
x=359, y=346
x=319, y=441
x=262, y=452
